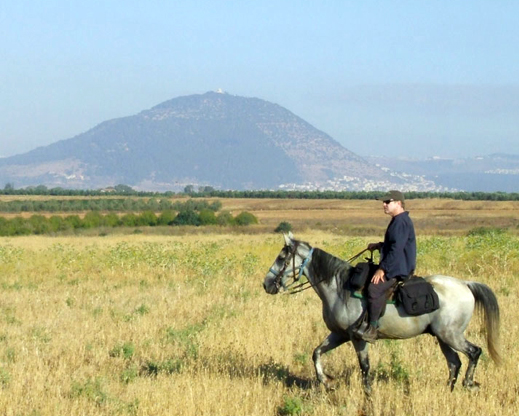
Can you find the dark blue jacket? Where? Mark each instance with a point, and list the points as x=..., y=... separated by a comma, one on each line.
x=398, y=254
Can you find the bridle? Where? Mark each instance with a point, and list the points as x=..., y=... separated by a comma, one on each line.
x=291, y=289
x=278, y=276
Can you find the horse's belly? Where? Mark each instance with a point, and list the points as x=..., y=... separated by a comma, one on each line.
x=395, y=326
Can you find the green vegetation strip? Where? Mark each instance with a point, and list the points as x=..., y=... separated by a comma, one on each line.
x=39, y=224
x=107, y=204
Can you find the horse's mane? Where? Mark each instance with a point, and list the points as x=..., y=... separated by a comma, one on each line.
x=325, y=267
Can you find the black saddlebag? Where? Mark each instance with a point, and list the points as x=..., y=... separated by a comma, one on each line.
x=417, y=296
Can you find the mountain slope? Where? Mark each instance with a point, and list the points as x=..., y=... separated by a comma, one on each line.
x=215, y=139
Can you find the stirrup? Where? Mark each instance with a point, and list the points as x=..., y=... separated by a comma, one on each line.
x=361, y=329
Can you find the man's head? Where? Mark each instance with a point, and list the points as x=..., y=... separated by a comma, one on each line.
x=394, y=202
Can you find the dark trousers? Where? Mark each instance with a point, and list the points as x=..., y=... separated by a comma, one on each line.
x=377, y=296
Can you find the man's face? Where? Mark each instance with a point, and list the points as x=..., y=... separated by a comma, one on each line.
x=392, y=207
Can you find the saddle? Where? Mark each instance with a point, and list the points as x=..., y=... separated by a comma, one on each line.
x=416, y=295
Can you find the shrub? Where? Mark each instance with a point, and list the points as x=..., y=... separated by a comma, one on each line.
x=225, y=218
x=18, y=226
x=39, y=224
x=111, y=220
x=215, y=206
x=147, y=218
x=93, y=219
x=166, y=218
x=129, y=220
x=74, y=221
x=187, y=217
x=291, y=406
x=125, y=350
x=58, y=224
x=245, y=218
x=90, y=389
x=283, y=227
x=207, y=217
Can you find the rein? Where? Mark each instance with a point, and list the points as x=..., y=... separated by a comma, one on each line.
x=356, y=256
x=308, y=284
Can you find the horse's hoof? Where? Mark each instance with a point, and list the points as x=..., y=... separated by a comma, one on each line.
x=330, y=384
x=473, y=387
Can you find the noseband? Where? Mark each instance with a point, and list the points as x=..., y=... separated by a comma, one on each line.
x=278, y=279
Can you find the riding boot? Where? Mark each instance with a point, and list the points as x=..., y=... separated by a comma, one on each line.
x=370, y=335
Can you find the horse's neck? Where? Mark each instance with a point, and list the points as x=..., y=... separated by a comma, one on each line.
x=327, y=270
x=329, y=277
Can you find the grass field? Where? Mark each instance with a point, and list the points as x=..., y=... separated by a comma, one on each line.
x=147, y=324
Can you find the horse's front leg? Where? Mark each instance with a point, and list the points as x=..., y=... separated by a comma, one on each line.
x=361, y=348
x=332, y=341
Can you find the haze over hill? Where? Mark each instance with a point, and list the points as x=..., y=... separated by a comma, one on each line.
x=214, y=139
x=229, y=142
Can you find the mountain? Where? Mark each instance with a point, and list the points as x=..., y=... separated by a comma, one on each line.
x=214, y=139
x=491, y=173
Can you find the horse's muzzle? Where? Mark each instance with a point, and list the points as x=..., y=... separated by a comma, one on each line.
x=271, y=288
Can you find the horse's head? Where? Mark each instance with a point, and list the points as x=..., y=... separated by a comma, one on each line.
x=289, y=264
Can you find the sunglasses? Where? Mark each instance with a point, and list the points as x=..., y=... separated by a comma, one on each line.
x=388, y=201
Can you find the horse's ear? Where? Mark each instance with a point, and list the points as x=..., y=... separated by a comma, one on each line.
x=289, y=238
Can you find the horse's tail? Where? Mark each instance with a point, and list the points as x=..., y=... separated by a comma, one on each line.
x=487, y=302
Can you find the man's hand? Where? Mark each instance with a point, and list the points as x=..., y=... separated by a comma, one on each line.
x=374, y=246
x=378, y=277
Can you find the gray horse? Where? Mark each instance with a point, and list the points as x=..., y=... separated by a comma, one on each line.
x=328, y=276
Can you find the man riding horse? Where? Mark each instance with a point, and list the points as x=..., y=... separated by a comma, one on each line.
x=397, y=260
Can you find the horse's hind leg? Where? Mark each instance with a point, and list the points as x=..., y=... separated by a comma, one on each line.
x=470, y=350
x=332, y=341
x=473, y=352
x=453, y=361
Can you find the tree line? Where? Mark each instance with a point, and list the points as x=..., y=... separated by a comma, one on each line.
x=208, y=191
x=466, y=196
x=127, y=204
x=39, y=224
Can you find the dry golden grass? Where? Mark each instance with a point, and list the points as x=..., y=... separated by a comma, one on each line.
x=361, y=217
x=180, y=325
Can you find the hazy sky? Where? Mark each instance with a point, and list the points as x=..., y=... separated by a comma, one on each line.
x=413, y=78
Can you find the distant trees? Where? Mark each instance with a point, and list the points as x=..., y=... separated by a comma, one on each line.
x=209, y=191
x=123, y=189
x=106, y=204
x=8, y=188
x=186, y=215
